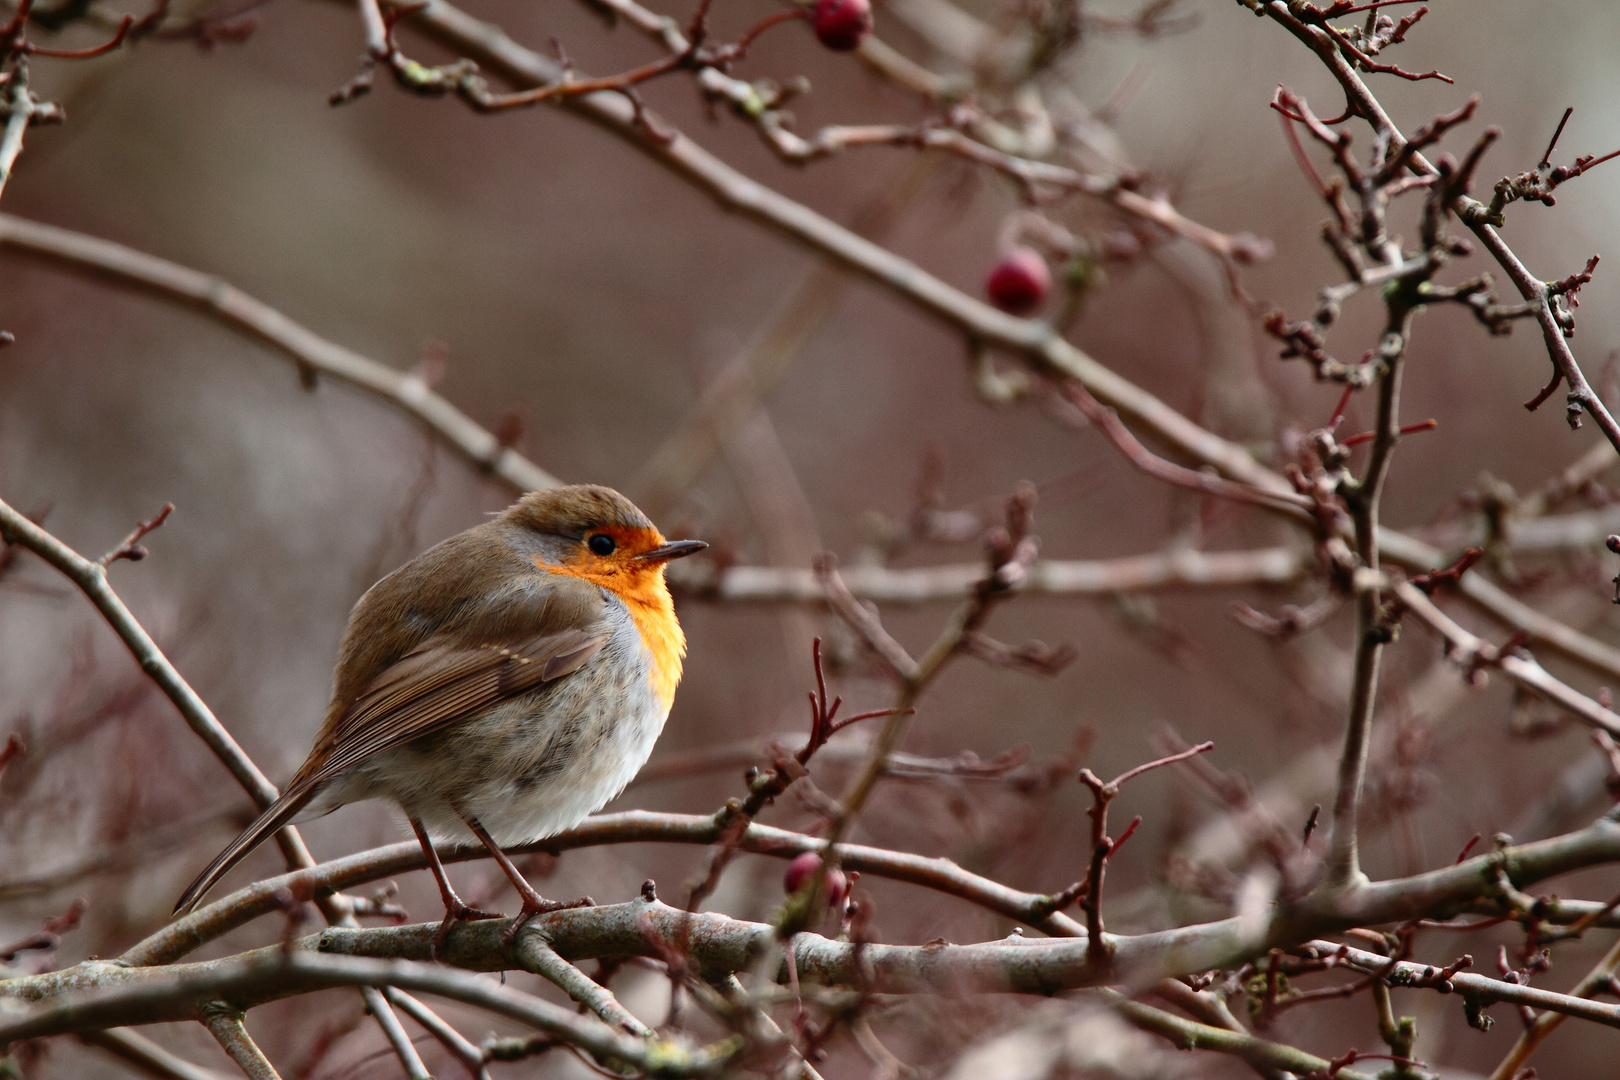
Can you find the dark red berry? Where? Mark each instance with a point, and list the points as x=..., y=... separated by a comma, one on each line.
x=1018, y=283
x=800, y=870
x=803, y=869
x=842, y=24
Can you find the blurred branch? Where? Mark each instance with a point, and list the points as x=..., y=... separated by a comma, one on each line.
x=1539, y=628
x=1009, y=550
x=146, y=1055
x=382, y=1012
x=132, y=851
x=1473, y=653
x=96, y=995
x=1572, y=478
x=680, y=459
x=954, y=134
x=1039, y=344
x=465, y=1052
x=91, y=578
x=1011, y=768
x=1190, y=1034
x=312, y=354
x=1479, y=989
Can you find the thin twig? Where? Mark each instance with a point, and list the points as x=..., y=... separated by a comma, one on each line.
x=531, y=950
x=451, y=1039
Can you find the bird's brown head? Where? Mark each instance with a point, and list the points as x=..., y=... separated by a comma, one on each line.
x=595, y=533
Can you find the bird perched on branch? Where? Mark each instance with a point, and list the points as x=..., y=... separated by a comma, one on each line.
x=498, y=687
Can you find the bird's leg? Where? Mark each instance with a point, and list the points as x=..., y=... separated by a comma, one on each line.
x=454, y=909
x=533, y=903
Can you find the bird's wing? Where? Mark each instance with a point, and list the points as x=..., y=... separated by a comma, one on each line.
x=456, y=674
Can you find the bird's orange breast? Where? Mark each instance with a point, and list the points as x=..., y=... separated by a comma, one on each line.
x=647, y=598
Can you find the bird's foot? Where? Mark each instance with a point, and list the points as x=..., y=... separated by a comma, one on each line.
x=538, y=905
x=455, y=912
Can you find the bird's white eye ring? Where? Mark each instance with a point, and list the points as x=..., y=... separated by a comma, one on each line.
x=602, y=544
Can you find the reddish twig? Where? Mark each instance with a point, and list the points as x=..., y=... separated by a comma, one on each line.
x=1157, y=467
x=1088, y=891
x=1408, y=429
x=130, y=548
x=1452, y=574
x=49, y=935
x=85, y=54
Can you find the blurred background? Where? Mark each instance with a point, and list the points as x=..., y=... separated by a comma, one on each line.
x=580, y=298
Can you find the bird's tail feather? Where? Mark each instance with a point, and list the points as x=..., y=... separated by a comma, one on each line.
x=276, y=815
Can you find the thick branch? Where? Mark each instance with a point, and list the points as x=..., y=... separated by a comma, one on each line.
x=631, y=827
x=225, y=1024
x=611, y=931
x=97, y=995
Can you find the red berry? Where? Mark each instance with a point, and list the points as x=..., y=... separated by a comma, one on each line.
x=803, y=869
x=1018, y=283
x=842, y=24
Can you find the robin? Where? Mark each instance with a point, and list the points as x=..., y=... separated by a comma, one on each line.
x=499, y=687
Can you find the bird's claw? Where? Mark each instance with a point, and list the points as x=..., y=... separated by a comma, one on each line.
x=544, y=907
x=454, y=913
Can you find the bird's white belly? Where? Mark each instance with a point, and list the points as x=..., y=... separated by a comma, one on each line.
x=516, y=812
x=527, y=768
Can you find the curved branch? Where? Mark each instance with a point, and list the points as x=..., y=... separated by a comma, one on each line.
x=1038, y=344
x=602, y=931
x=631, y=827
x=313, y=354
x=91, y=578
x=146, y=1055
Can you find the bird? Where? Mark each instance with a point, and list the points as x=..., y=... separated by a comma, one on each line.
x=499, y=687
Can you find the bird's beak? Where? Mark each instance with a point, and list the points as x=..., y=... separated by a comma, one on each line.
x=674, y=549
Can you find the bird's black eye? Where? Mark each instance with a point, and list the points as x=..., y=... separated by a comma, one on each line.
x=601, y=544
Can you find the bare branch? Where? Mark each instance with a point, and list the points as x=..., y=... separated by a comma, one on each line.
x=225, y=1024
x=166, y=994
x=146, y=1055
x=1475, y=988
x=312, y=354
x=1473, y=653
